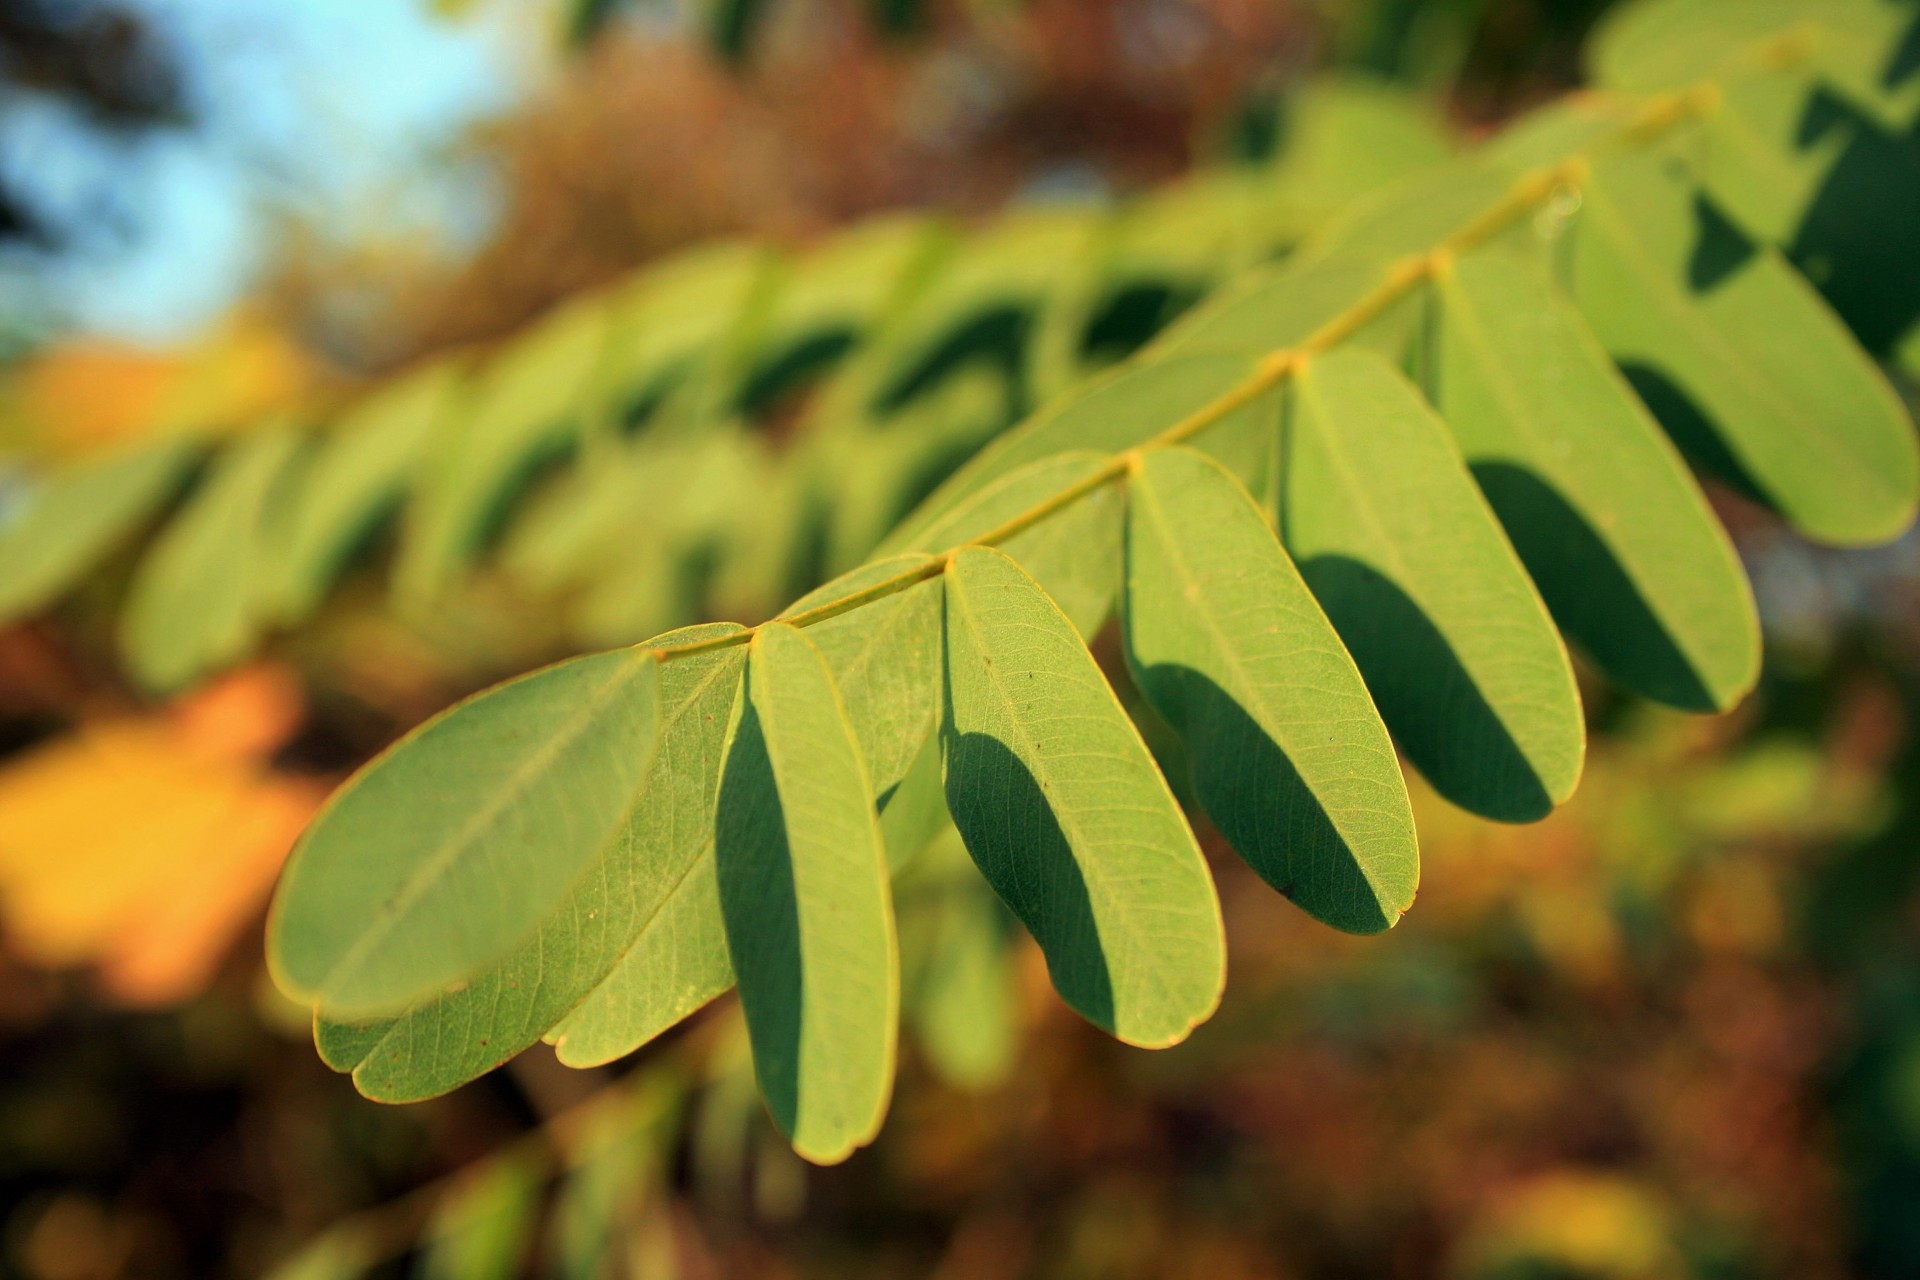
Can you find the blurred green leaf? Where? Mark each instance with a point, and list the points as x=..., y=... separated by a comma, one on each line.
x=72, y=517
x=197, y=599
x=484, y=1227
x=356, y=477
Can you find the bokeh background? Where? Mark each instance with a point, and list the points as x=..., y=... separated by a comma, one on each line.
x=1671, y=1032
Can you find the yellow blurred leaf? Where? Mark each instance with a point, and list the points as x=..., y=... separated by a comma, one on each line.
x=89, y=393
x=139, y=845
x=1574, y=1221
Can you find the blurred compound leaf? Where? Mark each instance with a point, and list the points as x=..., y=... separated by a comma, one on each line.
x=354, y=480
x=615, y=1147
x=527, y=409
x=196, y=600
x=67, y=522
x=957, y=966
x=340, y=1254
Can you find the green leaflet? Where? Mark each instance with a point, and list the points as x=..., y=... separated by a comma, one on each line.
x=1349, y=136
x=1288, y=755
x=834, y=296
x=1270, y=310
x=1409, y=563
x=1412, y=216
x=483, y=1228
x=1066, y=814
x=595, y=1205
x=617, y=536
x=997, y=297
x=1169, y=247
x=636, y=946
x=525, y=409
x=75, y=516
x=614, y=1160
x=916, y=812
x=341, y=1254
x=804, y=893
x=195, y=602
x=450, y=848
x=355, y=477
x=885, y=659
x=869, y=475
x=1740, y=357
x=1616, y=535
x=1754, y=154
x=957, y=972
x=678, y=329
x=1854, y=45
x=1074, y=555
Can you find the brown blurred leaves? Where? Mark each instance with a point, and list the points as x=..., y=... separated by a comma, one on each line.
x=649, y=144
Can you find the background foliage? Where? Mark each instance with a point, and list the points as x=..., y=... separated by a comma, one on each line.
x=1505, y=1193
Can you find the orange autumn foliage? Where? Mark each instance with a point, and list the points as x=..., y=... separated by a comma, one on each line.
x=90, y=393
x=139, y=845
